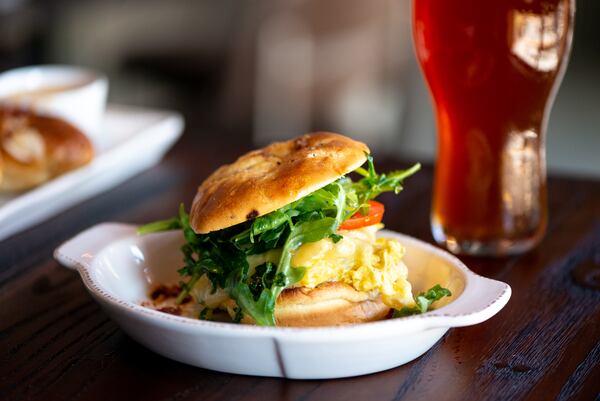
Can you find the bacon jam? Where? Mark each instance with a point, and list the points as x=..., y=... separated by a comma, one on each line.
x=163, y=298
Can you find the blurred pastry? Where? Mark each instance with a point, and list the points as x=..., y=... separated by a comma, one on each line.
x=35, y=148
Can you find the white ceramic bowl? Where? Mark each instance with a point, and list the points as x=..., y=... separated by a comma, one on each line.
x=76, y=94
x=119, y=268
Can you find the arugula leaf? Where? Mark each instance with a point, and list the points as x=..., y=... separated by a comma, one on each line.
x=157, y=226
x=373, y=184
x=262, y=278
x=423, y=301
x=206, y=314
x=239, y=314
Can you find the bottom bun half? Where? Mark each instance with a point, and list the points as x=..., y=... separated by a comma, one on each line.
x=328, y=304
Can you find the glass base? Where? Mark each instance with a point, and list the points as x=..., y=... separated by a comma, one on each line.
x=499, y=247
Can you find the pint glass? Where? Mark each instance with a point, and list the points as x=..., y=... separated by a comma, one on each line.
x=493, y=68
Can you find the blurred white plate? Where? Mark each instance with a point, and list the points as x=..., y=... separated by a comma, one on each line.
x=120, y=268
x=126, y=130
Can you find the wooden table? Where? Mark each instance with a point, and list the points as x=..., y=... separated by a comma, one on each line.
x=56, y=343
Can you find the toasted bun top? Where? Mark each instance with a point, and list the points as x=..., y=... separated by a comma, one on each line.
x=267, y=179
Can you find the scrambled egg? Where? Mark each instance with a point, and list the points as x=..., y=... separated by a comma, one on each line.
x=359, y=259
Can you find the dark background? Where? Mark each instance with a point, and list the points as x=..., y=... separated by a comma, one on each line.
x=343, y=65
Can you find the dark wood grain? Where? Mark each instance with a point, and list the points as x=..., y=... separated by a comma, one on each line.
x=56, y=343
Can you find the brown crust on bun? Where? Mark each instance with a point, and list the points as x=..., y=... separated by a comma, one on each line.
x=267, y=179
x=36, y=148
x=328, y=304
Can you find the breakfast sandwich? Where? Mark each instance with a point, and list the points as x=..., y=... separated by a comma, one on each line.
x=283, y=236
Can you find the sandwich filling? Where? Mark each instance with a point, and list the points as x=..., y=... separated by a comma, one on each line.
x=359, y=259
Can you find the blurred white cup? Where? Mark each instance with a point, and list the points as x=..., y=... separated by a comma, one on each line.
x=75, y=94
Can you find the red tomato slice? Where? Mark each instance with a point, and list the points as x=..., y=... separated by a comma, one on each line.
x=375, y=215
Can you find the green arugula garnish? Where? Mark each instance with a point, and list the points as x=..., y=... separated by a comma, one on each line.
x=221, y=255
x=423, y=301
x=205, y=314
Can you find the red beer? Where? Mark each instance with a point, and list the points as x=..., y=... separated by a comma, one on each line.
x=493, y=68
